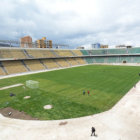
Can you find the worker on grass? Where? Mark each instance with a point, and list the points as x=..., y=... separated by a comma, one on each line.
x=88, y=92
x=84, y=92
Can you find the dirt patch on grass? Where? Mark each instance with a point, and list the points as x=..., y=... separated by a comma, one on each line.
x=63, y=123
x=12, y=113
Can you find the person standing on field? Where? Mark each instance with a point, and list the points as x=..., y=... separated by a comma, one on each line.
x=92, y=131
x=84, y=92
x=88, y=92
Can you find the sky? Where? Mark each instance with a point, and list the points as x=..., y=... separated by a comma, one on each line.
x=72, y=22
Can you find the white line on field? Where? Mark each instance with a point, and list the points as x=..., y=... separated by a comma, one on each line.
x=16, y=85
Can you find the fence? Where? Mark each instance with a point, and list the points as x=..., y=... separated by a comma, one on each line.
x=42, y=44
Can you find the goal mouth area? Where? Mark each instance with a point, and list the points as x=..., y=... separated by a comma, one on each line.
x=32, y=84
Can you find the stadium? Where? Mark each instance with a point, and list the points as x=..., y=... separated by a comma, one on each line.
x=61, y=93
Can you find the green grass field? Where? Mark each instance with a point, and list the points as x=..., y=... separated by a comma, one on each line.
x=64, y=90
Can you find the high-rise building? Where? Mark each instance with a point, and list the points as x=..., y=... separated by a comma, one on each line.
x=95, y=46
x=104, y=46
x=41, y=43
x=49, y=44
x=26, y=42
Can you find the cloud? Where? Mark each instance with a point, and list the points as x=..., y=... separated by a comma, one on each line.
x=74, y=22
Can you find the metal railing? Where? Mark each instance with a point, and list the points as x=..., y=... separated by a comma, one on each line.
x=44, y=44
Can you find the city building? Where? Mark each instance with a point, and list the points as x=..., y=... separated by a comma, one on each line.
x=26, y=42
x=120, y=46
x=49, y=45
x=80, y=48
x=95, y=46
x=41, y=43
x=103, y=46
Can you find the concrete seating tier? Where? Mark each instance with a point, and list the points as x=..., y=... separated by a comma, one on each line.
x=6, y=54
x=89, y=60
x=81, y=61
x=35, y=53
x=18, y=54
x=1, y=72
x=117, y=51
x=72, y=61
x=47, y=53
x=51, y=64
x=40, y=53
x=34, y=65
x=63, y=53
x=62, y=63
x=135, y=59
x=77, y=52
x=13, y=67
x=84, y=52
x=99, y=60
x=133, y=50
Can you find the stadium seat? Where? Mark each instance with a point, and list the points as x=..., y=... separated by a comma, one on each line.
x=34, y=65
x=48, y=53
x=63, y=53
x=72, y=61
x=50, y=64
x=117, y=51
x=89, y=60
x=77, y=52
x=34, y=53
x=84, y=52
x=13, y=67
x=133, y=50
x=81, y=61
x=18, y=54
x=1, y=72
x=62, y=63
x=5, y=54
x=98, y=60
x=38, y=53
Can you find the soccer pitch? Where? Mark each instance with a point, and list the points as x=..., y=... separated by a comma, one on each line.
x=63, y=89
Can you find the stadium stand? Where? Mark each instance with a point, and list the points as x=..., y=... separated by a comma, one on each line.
x=1, y=72
x=40, y=53
x=99, y=60
x=18, y=54
x=107, y=51
x=33, y=59
x=77, y=52
x=135, y=59
x=48, y=53
x=111, y=60
x=63, y=53
x=62, y=62
x=133, y=50
x=84, y=52
x=13, y=67
x=31, y=53
x=81, y=61
x=117, y=51
x=34, y=53
x=72, y=61
x=97, y=52
x=6, y=54
x=125, y=59
x=89, y=60
x=50, y=63
x=34, y=65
